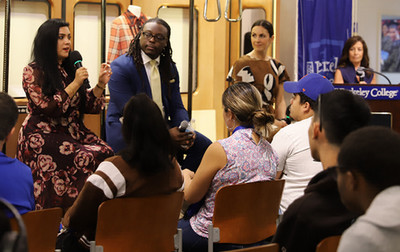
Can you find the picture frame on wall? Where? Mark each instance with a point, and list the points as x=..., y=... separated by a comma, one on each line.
x=390, y=44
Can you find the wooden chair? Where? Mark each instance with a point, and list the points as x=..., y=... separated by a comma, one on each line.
x=42, y=227
x=272, y=247
x=245, y=213
x=329, y=244
x=139, y=224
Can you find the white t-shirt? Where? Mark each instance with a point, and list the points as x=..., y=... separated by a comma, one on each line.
x=293, y=149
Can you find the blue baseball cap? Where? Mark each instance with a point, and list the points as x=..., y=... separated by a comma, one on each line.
x=312, y=85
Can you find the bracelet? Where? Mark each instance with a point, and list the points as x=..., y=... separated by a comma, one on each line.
x=97, y=85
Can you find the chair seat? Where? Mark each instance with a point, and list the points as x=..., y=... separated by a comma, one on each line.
x=245, y=213
x=139, y=224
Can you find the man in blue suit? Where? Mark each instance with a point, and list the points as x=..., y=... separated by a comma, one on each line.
x=134, y=73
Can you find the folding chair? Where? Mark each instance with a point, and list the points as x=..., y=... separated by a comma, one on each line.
x=272, y=247
x=42, y=227
x=245, y=213
x=139, y=224
x=329, y=244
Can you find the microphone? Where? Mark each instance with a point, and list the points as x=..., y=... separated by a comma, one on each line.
x=360, y=73
x=183, y=126
x=369, y=69
x=76, y=59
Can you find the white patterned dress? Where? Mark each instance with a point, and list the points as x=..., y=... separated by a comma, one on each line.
x=246, y=162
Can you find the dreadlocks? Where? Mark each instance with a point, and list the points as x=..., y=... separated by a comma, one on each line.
x=165, y=56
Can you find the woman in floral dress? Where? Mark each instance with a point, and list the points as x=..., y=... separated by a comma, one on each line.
x=53, y=140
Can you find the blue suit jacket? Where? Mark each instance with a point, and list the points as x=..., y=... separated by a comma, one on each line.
x=126, y=82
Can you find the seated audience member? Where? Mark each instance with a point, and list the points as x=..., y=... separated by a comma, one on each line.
x=369, y=184
x=17, y=182
x=53, y=140
x=354, y=55
x=145, y=167
x=296, y=166
x=148, y=68
x=319, y=213
x=245, y=156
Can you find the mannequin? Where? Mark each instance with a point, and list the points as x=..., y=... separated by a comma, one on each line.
x=123, y=29
x=136, y=10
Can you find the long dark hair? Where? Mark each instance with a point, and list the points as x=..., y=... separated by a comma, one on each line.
x=165, y=56
x=44, y=54
x=344, y=59
x=149, y=146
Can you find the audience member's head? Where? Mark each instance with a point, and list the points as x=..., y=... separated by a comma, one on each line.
x=337, y=114
x=8, y=116
x=352, y=44
x=243, y=107
x=368, y=163
x=149, y=145
x=305, y=94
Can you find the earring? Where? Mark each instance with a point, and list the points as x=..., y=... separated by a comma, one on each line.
x=233, y=127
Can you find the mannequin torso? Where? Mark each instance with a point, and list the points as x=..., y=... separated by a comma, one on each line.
x=136, y=10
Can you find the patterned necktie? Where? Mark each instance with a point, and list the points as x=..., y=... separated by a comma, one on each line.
x=155, y=84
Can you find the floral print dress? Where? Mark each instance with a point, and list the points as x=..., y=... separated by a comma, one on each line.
x=54, y=142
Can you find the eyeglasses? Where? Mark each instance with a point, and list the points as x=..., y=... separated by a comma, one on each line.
x=157, y=37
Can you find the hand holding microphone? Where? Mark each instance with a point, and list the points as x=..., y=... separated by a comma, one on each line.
x=183, y=135
x=81, y=74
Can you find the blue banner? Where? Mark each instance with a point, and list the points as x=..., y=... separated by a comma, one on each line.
x=373, y=92
x=323, y=28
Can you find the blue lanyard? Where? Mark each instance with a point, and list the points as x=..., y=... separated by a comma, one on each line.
x=241, y=127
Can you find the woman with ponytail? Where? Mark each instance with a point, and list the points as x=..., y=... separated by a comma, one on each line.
x=246, y=156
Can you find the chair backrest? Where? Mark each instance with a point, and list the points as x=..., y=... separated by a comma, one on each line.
x=139, y=224
x=42, y=227
x=272, y=247
x=247, y=213
x=329, y=244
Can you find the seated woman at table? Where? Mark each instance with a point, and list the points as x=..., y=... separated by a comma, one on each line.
x=354, y=56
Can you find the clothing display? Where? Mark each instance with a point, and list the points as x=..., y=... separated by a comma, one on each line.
x=295, y=161
x=264, y=75
x=350, y=77
x=54, y=142
x=123, y=29
x=379, y=228
x=17, y=184
x=318, y=214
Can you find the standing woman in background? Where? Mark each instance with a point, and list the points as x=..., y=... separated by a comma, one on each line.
x=53, y=141
x=354, y=55
x=265, y=73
